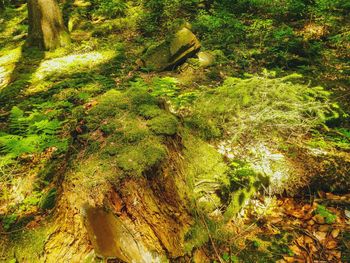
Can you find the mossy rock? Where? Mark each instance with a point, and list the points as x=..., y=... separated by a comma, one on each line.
x=206, y=59
x=172, y=52
x=164, y=124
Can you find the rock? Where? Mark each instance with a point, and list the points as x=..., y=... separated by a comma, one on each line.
x=206, y=59
x=173, y=51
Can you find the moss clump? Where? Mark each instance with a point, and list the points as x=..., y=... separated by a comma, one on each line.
x=138, y=96
x=206, y=128
x=149, y=111
x=138, y=158
x=134, y=131
x=48, y=201
x=27, y=245
x=164, y=124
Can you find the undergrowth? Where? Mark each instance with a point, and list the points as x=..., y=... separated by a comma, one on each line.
x=261, y=107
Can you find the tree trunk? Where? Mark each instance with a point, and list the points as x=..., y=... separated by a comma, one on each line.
x=46, y=27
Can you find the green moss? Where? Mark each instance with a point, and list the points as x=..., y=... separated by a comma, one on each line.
x=134, y=131
x=206, y=128
x=136, y=159
x=196, y=236
x=149, y=111
x=204, y=164
x=28, y=245
x=138, y=96
x=164, y=124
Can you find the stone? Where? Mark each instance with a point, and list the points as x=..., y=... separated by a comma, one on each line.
x=206, y=59
x=172, y=52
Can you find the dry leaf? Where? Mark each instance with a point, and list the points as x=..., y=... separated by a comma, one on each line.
x=323, y=228
x=311, y=222
x=331, y=244
x=289, y=259
x=296, y=250
x=335, y=232
x=335, y=253
x=332, y=196
x=313, y=248
x=319, y=219
x=308, y=240
x=275, y=220
x=321, y=236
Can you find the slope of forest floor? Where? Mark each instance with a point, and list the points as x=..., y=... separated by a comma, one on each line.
x=246, y=160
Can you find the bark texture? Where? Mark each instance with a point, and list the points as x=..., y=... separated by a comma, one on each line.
x=46, y=26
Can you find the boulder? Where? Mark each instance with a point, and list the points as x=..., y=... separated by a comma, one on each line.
x=206, y=59
x=172, y=52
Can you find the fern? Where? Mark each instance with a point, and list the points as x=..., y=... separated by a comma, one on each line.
x=18, y=124
x=31, y=133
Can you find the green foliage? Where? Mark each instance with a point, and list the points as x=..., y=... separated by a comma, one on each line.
x=48, y=200
x=326, y=214
x=31, y=133
x=164, y=87
x=243, y=108
x=337, y=138
x=9, y=220
x=110, y=8
x=219, y=29
x=30, y=201
x=163, y=14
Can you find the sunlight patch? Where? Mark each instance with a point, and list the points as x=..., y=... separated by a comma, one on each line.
x=71, y=64
x=11, y=56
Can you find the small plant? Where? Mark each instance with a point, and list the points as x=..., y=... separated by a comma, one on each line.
x=326, y=214
x=111, y=8
x=9, y=220
x=31, y=133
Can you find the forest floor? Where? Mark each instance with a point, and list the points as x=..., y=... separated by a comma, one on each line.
x=56, y=126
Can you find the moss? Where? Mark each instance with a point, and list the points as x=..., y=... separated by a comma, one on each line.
x=206, y=128
x=108, y=105
x=149, y=111
x=139, y=96
x=196, y=236
x=134, y=131
x=136, y=159
x=47, y=202
x=164, y=124
x=28, y=245
x=204, y=163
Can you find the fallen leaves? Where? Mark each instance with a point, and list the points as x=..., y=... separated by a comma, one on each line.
x=316, y=237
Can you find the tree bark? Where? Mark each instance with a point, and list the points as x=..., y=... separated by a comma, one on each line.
x=46, y=26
